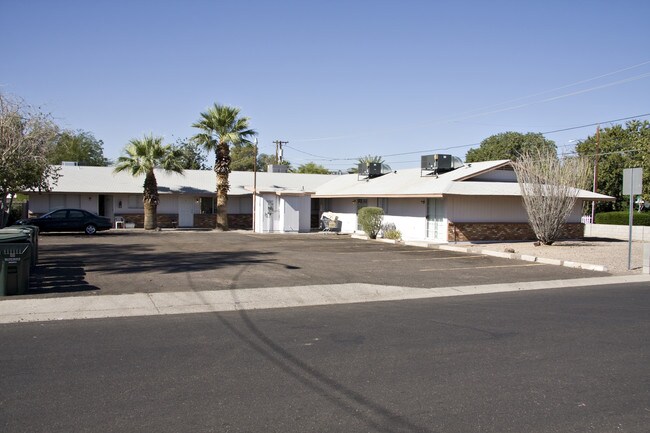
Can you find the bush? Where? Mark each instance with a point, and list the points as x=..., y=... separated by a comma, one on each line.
x=623, y=218
x=390, y=232
x=370, y=220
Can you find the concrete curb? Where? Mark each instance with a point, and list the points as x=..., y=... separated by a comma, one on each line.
x=153, y=304
x=525, y=257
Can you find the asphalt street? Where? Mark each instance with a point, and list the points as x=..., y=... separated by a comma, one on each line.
x=563, y=360
x=119, y=262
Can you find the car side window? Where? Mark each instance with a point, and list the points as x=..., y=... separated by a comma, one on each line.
x=75, y=214
x=58, y=214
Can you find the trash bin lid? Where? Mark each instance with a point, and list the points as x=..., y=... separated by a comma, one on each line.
x=9, y=237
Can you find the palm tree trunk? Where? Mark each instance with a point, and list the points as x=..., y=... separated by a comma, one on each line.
x=150, y=202
x=222, y=167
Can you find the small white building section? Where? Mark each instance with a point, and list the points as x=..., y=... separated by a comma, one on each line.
x=282, y=211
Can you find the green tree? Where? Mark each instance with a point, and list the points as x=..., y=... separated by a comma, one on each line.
x=78, y=146
x=264, y=160
x=509, y=145
x=619, y=147
x=243, y=157
x=312, y=168
x=26, y=138
x=192, y=155
x=142, y=157
x=221, y=126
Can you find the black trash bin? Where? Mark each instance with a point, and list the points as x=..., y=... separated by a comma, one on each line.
x=15, y=253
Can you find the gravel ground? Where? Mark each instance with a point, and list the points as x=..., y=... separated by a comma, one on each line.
x=607, y=252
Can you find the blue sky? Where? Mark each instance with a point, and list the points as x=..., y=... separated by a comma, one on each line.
x=337, y=79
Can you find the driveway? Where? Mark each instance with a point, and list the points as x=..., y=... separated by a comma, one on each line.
x=119, y=262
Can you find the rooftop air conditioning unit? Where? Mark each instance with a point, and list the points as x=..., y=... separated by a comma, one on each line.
x=439, y=163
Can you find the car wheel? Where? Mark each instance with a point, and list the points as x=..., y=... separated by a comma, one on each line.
x=90, y=229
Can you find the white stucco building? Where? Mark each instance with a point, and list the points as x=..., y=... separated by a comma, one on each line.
x=475, y=202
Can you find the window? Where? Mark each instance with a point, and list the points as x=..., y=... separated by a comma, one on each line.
x=207, y=205
x=75, y=214
x=60, y=214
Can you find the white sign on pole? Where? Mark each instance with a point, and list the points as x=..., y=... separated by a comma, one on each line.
x=632, y=181
x=632, y=184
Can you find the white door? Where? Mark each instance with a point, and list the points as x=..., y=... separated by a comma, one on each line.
x=185, y=211
x=436, y=222
x=271, y=214
x=361, y=203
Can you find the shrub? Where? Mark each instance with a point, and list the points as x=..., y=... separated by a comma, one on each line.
x=623, y=218
x=390, y=232
x=370, y=220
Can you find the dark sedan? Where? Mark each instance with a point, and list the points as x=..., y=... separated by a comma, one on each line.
x=69, y=220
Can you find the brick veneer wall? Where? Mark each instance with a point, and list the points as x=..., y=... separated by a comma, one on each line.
x=164, y=220
x=242, y=221
x=235, y=221
x=463, y=232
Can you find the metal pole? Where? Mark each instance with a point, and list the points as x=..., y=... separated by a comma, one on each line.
x=593, y=203
x=629, y=241
x=254, y=184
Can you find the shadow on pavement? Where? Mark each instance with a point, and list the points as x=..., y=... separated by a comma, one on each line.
x=59, y=276
x=140, y=258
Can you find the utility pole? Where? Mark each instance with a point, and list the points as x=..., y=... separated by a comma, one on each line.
x=593, y=203
x=278, y=150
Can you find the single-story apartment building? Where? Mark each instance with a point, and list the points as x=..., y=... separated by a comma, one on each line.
x=474, y=202
x=186, y=200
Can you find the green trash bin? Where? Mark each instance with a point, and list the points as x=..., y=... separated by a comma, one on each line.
x=15, y=253
x=33, y=236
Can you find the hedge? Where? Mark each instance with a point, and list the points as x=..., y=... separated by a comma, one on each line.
x=623, y=218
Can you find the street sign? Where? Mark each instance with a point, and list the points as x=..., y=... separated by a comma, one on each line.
x=632, y=181
x=632, y=184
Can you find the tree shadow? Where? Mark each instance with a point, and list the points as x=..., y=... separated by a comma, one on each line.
x=59, y=275
x=141, y=258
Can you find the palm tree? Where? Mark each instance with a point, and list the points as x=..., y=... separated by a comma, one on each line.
x=142, y=157
x=221, y=127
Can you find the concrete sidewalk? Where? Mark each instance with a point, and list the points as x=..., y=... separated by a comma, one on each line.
x=150, y=304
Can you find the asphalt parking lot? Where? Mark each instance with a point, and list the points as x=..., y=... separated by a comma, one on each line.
x=120, y=262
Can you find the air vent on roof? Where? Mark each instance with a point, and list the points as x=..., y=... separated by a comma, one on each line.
x=438, y=164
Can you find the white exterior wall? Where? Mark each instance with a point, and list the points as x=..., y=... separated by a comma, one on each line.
x=409, y=217
x=639, y=233
x=479, y=209
x=346, y=210
x=240, y=204
x=45, y=202
x=168, y=204
x=39, y=203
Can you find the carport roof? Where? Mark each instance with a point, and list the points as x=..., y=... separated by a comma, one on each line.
x=102, y=180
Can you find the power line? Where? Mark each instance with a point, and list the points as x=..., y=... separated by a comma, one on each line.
x=500, y=110
x=330, y=159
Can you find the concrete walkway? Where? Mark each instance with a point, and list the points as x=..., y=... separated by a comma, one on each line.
x=149, y=304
